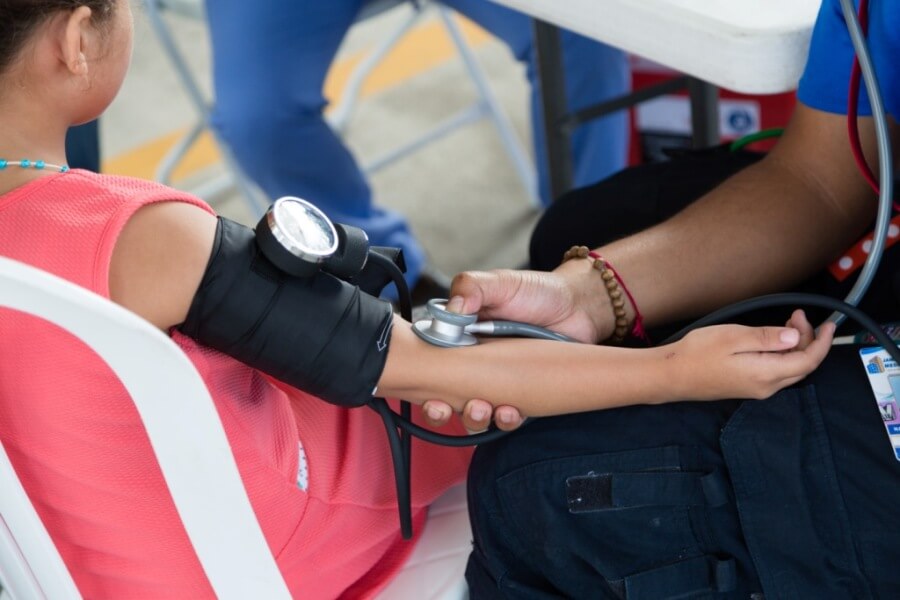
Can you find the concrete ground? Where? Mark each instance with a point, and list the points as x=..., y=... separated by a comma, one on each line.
x=461, y=193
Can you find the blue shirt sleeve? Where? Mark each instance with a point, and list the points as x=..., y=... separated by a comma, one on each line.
x=825, y=82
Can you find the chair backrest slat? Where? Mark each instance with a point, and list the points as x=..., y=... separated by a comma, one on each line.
x=181, y=421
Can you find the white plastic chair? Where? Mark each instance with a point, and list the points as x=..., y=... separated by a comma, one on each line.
x=486, y=105
x=180, y=420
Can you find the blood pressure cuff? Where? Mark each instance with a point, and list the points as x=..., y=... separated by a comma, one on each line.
x=319, y=334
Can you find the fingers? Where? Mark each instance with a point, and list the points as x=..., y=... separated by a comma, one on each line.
x=798, y=334
x=485, y=289
x=799, y=322
x=812, y=347
x=508, y=418
x=789, y=368
x=810, y=357
x=761, y=339
x=476, y=415
x=436, y=413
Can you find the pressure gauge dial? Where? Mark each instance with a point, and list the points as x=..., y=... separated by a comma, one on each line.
x=296, y=236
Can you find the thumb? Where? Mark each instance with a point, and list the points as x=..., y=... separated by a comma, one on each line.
x=773, y=339
x=456, y=304
x=475, y=289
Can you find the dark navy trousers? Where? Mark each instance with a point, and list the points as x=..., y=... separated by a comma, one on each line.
x=794, y=497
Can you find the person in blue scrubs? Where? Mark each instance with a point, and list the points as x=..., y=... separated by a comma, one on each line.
x=794, y=496
x=270, y=63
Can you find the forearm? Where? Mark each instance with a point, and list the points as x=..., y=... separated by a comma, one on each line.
x=763, y=230
x=543, y=378
x=537, y=377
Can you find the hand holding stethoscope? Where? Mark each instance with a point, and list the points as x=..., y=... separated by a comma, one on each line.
x=451, y=330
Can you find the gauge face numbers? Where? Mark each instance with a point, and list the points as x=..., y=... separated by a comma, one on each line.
x=303, y=229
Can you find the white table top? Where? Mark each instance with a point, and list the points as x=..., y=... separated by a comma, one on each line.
x=749, y=46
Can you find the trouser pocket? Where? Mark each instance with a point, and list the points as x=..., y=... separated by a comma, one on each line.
x=791, y=508
x=621, y=524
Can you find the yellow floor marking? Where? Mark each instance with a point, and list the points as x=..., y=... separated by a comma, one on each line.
x=424, y=48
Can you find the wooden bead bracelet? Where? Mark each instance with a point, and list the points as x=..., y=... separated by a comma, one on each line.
x=614, y=287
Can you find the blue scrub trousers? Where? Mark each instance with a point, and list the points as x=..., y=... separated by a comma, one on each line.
x=270, y=63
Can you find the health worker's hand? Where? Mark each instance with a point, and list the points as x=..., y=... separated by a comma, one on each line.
x=476, y=415
x=561, y=300
x=734, y=361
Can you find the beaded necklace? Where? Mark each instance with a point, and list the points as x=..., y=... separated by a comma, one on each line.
x=29, y=164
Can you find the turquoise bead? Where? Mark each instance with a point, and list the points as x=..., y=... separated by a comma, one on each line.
x=29, y=164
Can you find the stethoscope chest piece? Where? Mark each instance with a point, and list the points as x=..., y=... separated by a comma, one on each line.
x=445, y=328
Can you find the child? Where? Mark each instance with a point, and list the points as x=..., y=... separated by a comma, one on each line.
x=73, y=434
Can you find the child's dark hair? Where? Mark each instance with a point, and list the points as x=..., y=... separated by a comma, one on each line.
x=19, y=19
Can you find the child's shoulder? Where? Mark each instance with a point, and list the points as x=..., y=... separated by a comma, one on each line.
x=130, y=189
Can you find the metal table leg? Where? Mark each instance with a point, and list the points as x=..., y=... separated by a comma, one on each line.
x=704, y=112
x=559, y=123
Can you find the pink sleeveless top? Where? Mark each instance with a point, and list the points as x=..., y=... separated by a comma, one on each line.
x=82, y=454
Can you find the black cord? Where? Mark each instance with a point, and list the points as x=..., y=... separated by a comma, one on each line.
x=399, y=439
x=400, y=460
x=400, y=427
x=396, y=275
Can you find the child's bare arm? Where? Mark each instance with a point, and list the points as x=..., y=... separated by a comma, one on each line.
x=163, y=251
x=159, y=260
x=544, y=378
